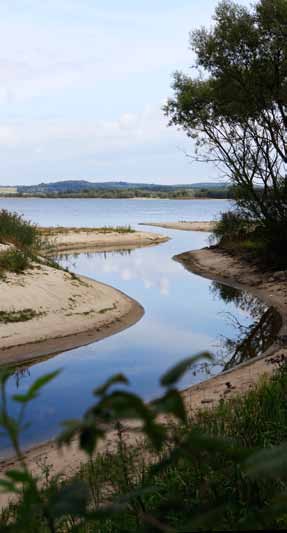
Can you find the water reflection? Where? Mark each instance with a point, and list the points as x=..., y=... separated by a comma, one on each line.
x=250, y=340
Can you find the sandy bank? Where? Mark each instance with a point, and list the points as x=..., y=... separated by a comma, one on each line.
x=183, y=225
x=99, y=239
x=272, y=289
x=55, y=310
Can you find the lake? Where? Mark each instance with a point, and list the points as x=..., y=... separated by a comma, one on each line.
x=184, y=313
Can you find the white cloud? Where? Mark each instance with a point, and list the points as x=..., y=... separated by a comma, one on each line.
x=81, y=86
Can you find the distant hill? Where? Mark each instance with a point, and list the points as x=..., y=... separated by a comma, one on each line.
x=74, y=186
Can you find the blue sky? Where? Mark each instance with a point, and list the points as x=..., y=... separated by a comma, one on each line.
x=82, y=84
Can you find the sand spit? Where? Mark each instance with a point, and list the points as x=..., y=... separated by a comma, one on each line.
x=183, y=225
x=98, y=239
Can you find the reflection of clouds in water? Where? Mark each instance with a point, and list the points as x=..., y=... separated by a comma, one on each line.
x=148, y=284
x=140, y=344
x=126, y=274
x=164, y=286
x=135, y=268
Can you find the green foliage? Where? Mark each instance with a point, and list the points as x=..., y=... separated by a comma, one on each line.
x=232, y=228
x=24, y=238
x=236, y=113
x=22, y=315
x=259, y=242
x=13, y=261
x=220, y=470
x=14, y=229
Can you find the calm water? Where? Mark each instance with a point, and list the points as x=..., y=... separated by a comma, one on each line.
x=88, y=212
x=184, y=313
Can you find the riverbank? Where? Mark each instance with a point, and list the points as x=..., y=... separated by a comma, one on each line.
x=183, y=225
x=210, y=263
x=64, y=240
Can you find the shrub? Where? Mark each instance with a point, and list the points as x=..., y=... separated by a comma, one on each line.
x=14, y=261
x=16, y=230
x=262, y=241
x=231, y=228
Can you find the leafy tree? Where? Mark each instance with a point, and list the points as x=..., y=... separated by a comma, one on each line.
x=235, y=106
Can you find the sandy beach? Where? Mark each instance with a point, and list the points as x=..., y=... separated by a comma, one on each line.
x=211, y=263
x=183, y=225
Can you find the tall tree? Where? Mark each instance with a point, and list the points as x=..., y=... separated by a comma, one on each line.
x=235, y=107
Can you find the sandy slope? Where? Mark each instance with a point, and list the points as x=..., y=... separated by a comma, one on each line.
x=70, y=311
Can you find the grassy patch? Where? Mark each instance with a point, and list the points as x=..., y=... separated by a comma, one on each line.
x=18, y=316
x=14, y=229
x=24, y=238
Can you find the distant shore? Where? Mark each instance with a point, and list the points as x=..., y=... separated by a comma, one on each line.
x=35, y=197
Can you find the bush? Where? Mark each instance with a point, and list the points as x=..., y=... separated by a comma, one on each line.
x=14, y=261
x=14, y=229
x=231, y=228
x=264, y=242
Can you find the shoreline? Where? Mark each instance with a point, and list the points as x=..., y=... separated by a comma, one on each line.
x=209, y=263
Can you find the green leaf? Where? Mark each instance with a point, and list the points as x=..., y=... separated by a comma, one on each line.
x=71, y=428
x=117, y=378
x=5, y=374
x=171, y=403
x=173, y=375
x=8, y=486
x=19, y=476
x=35, y=388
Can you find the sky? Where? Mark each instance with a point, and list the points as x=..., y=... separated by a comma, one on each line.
x=82, y=85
